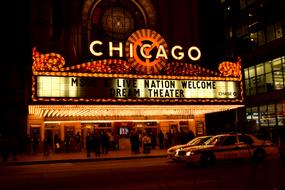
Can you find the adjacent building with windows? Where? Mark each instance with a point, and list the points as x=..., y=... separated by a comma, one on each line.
x=255, y=30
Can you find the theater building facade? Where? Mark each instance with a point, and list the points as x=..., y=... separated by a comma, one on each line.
x=112, y=69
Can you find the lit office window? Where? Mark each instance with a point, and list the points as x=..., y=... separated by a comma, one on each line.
x=269, y=82
x=271, y=116
x=252, y=80
x=263, y=116
x=268, y=76
x=251, y=72
x=261, y=86
x=278, y=75
x=248, y=113
x=268, y=67
x=245, y=73
x=252, y=84
x=260, y=69
x=283, y=71
x=255, y=115
x=265, y=77
x=280, y=115
x=247, y=83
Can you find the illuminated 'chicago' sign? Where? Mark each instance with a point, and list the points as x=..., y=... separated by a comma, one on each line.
x=146, y=50
x=88, y=87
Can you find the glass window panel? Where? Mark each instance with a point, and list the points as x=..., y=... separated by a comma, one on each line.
x=230, y=140
x=254, y=110
x=261, y=37
x=270, y=33
x=271, y=108
x=251, y=71
x=280, y=114
x=280, y=109
x=283, y=62
x=269, y=82
x=248, y=113
x=263, y=108
x=268, y=67
x=271, y=116
x=245, y=73
x=283, y=77
x=283, y=66
x=276, y=64
x=252, y=86
x=279, y=33
x=261, y=84
x=260, y=69
x=260, y=80
x=263, y=116
x=278, y=80
x=255, y=115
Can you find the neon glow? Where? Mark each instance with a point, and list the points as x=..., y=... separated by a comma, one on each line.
x=124, y=112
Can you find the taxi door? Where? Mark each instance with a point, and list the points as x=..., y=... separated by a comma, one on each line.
x=229, y=148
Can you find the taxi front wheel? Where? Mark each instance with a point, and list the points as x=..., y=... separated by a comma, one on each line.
x=259, y=155
x=207, y=158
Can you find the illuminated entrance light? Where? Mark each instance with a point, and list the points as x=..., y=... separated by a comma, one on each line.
x=131, y=112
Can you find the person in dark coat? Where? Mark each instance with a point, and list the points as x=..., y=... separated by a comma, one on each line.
x=97, y=143
x=161, y=139
x=88, y=144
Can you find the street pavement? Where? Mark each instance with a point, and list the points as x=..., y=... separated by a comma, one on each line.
x=62, y=157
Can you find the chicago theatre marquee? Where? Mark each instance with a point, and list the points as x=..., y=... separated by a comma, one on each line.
x=136, y=88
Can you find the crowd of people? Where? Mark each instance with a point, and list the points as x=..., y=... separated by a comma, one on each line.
x=98, y=141
x=146, y=141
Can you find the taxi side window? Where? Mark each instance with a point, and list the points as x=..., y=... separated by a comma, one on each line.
x=230, y=140
x=245, y=139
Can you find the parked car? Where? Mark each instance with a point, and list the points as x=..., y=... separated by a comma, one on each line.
x=194, y=142
x=228, y=146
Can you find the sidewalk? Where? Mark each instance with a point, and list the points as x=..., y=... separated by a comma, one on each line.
x=24, y=159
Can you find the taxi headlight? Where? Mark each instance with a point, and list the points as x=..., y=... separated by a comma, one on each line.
x=177, y=150
x=189, y=153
